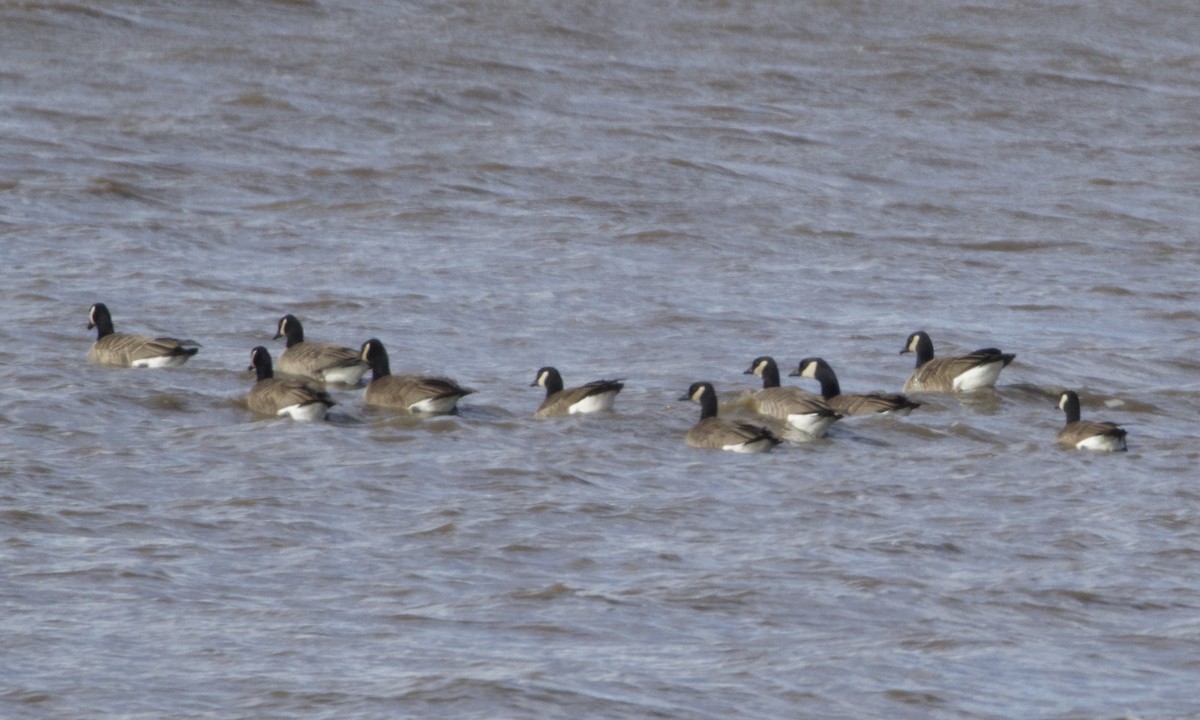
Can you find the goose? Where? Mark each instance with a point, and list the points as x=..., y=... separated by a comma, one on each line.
x=962, y=373
x=592, y=397
x=1087, y=434
x=849, y=403
x=801, y=409
x=283, y=396
x=419, y=394
x=323, y=362
x=719, y=433
x=125, y=350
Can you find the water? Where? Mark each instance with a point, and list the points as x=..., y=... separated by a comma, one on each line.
x=659, y=193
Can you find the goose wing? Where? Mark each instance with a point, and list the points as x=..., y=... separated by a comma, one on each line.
x=781, y=402
x=315, y=360
x=601, y=392
x=722, y=434
x=872, y=403
x=125, y=349
x=415, y=392
x=960, y=373
x=1105, y=435
x=271, y=395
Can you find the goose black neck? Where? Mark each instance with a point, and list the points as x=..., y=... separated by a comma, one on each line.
x=101, y=320
x=104, y=326
x=263, y=368
x=377, y=358
x=829, y=382
x=924, y=350
x=770, y=375
x=553, y=381
x=292, y=330
x=708, y=405
x=1071, y=407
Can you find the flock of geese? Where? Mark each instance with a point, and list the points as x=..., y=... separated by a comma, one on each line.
x=306, y=367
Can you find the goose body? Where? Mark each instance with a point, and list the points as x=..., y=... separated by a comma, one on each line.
x=717, y=433
x=126, y=350
x=961, y=373
x=418, y=394
x=851, y=403
x=283, y=396
x=1087, y=434
x=801, y=409
x=593, y=397
x=322, y=362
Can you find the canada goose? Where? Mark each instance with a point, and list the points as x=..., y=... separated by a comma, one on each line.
x=801, y=409
x=283, y=396
x=125, y=350
x=413, y=393
x=962, y=373
x=323, y=362
x=1087, y=434
x=852, y=404
x=592, y=397
x=719, y=433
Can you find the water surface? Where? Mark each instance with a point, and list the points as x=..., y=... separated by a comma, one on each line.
x=660, y=193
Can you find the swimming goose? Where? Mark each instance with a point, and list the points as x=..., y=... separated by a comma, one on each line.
x=801, y=409
x=851, y=403
x=125, y=350
x=962, y=373
x=1087, y=434
x=283, y=396
x=719, y=433
x=421, y=394
x=592, y=397
x=323, y=362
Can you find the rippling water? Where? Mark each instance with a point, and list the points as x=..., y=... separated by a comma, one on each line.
x=656, y=192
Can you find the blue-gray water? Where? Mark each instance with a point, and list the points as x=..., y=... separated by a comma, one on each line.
x=659, y=192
